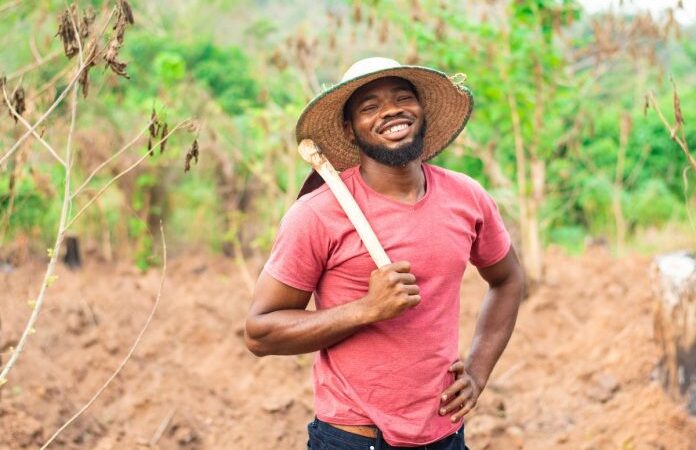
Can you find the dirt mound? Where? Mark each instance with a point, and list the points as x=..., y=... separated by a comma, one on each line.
x=576, y=375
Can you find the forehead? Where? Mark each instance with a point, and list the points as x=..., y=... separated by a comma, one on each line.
x=380, y=86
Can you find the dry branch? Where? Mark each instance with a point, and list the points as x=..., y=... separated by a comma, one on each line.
x=114, y=156
x=128, y=355
x=48, y=276
x=17, y=116
x=650, y=100
x=125, y=171
x=55, y=104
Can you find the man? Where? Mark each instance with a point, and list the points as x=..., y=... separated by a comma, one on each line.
x=387, y=373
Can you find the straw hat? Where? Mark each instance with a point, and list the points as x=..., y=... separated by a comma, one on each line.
x=446, y=102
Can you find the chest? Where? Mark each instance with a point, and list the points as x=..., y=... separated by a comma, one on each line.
x=436, y=240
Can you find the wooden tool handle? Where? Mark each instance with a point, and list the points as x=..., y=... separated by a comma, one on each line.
x=311, y=153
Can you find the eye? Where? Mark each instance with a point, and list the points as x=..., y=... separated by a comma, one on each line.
x=368, y=108
x=403, y=98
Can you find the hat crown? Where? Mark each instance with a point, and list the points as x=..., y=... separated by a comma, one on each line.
x=368, y=65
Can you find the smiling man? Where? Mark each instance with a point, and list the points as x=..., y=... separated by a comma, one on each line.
x=387, y=373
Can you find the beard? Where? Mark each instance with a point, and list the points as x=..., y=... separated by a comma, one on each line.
x=397, y=157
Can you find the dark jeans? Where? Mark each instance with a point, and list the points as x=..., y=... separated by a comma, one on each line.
x=323, y=436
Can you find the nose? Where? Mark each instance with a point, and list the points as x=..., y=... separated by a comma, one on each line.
x=390, y=109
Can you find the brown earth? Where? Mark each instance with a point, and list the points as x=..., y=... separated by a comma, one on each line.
x=577, y=375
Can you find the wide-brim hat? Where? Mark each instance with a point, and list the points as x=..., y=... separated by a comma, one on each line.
x=446, y=102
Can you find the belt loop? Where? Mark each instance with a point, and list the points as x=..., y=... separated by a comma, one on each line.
x=378, y=443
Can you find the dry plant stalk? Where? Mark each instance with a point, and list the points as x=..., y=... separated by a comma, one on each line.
x=678, y=126
x=128, y=355
x=65, y=222
x=84, y=65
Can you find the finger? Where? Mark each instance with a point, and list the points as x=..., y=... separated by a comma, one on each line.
x=464, y=396
x=411, y=289
x=457, y=366
x=458, y=385
x=468, y=406
x=405, y=278
x=413, y=300
x=400, y=266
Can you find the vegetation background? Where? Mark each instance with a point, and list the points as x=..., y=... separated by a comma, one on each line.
x=563, y=89
x=574, y=128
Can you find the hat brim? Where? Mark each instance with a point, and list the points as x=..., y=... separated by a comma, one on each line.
x=447, y=109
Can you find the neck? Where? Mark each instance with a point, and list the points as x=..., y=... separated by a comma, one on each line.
x=405, y=184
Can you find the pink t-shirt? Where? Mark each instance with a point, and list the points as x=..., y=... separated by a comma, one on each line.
x=390, y=373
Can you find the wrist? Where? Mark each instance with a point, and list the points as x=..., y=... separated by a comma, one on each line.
x=480, y=378
x=361, y=313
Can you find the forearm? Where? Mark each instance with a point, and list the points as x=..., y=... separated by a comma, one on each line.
x=493, y=329
x=296, y=331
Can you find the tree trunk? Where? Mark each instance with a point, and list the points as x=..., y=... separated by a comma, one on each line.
x=675, y=324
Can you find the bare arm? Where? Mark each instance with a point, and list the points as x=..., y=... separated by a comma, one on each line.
x=497, y=317
x=493, y=329
x=279, y=324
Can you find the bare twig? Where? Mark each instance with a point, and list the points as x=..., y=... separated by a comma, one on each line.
x=9, y=5
x=672, y=130
x=162, y=427
x=128, y=355
x=48, y=276
x=28, y=68
x=60, y=74
x=114, y=156
x=31, y=129
x=125, y=171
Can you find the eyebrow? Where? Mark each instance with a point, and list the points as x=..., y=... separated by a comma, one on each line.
x=393, y=90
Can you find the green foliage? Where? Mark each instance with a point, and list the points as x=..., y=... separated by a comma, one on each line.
x=248, y=106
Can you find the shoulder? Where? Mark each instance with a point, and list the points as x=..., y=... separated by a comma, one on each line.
x=322, y=199
x=456, y=181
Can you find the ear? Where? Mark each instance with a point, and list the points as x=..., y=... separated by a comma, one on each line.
x=348, y=131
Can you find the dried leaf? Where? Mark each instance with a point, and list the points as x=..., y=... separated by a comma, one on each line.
x=163, y=137
x=678, y=118
x=191, y=154
x=18, y=102
x=646, y=105
x=66, y=31
x=85, y=26
x=149, y=147
x=126, y=11
x=90, y=61
x=153, y=123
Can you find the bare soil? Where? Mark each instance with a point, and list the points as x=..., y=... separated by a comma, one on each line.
x=578, y=373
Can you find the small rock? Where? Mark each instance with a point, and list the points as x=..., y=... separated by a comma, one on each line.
x=185, y=435
x=604, y=387
x=485, y=425
x=274, y=405
x=75, y=321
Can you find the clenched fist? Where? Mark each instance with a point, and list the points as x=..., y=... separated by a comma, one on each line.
x=392, y=290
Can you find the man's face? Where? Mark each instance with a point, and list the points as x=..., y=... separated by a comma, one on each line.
x=386, y=120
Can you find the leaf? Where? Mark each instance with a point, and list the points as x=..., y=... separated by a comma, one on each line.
x=50, y=280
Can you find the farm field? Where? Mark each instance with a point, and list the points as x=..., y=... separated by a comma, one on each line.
x=577, y=374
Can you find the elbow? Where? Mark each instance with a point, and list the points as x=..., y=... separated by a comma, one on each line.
x=252, y=340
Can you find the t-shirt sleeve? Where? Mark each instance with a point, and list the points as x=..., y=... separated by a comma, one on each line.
x=300, y=250
x=492, y=240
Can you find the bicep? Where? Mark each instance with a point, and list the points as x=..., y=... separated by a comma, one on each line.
x=506, y=270
x=272, y=295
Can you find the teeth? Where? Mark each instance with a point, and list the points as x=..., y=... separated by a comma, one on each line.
x=396, y=128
